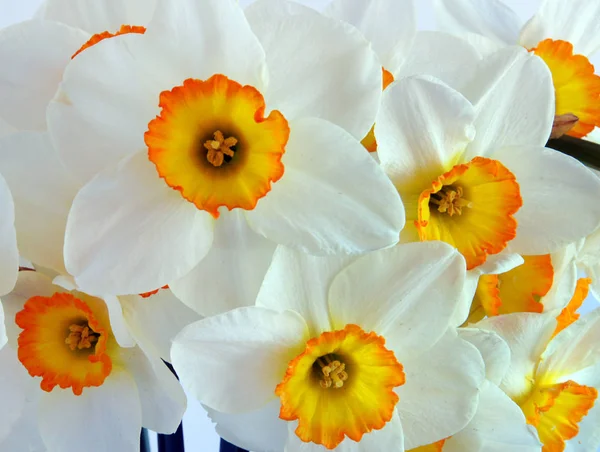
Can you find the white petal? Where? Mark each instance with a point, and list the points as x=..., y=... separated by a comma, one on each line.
x=441, y=392
x=574, y=349
x=576, y=22
x=500, y=263
x=589, y=259
x=118, y=324
x=161, y=396
x=231, y=273
x=108, y=416
x=9, y=255
x=494, y=351
x=333, y=198
x=527, y=335
x=16, y=389
x=255, y=430
x=96, y=16
x=498, y=426
x=406, y=294
x=421, y=128
x=29, y=284
x=559, y=199
x=154, y=237
x=389, y=438
x=300, y=282
x=513, y=95
x=390, y=26
x=6, y=128
x=436, y=54
x=36, y=54
x=106, y=100
x=202, y=38
x=3, y=337
x=43, y=191
x=565, y=279
x=490, y=18
x=155, y=321
x=232, y=362
x=339, y=81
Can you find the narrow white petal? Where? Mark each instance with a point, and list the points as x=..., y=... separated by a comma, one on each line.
x=9, y=255
x=494, y=351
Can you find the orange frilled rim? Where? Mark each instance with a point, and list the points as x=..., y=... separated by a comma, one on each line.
x=518, y=290
x=365, y=402
x=576, y=85
x=569, y=314
x=369, y=142
x=246, y=158
x=95, y=39
x=486, y=224
x=435, y=447
x=153, y=292
x=43, y=345
x=556, y=411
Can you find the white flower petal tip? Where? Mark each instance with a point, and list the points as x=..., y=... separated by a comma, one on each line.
x=9, y=254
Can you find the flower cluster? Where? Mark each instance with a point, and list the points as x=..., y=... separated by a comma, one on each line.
x=343, y=233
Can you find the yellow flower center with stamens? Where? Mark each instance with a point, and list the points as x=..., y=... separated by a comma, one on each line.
x=341, y=385
x=518, y=290
x=64, y=342
x=471, y=207
x=555, y=410
x=369, y=142
x=213, y=144
x=95, y=39
x=576, y=86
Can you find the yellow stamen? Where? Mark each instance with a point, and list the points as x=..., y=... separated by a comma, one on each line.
x=81, y=336
x=219, y=148
x=334, y=372
x=450, y=200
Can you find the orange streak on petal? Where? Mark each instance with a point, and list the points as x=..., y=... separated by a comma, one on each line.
x=569, y=314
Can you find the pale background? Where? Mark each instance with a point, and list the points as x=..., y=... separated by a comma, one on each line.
x=198, y=429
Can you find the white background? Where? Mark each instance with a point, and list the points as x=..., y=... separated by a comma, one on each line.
x=198, y=429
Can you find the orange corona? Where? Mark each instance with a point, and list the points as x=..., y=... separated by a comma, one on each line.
x=95, y=39
x=213, y=144
x=341, y=385
x=63, y=342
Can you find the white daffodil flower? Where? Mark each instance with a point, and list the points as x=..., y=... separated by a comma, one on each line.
x=93, y=393
x=216, y=152
x=498, y=424
x=39, y=50
x=563, y=33
x=496, y=190
x=357, y=357
x=554, y=375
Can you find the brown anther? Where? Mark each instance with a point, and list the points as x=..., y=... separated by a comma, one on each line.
x=81, y=336
x=563, y=124
x=450, y=200
x=219, y=147
x=334, y=373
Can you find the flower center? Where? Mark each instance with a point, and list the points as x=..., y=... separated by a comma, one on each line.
x=84, y=361
x=449, y=200
x=471, y=207
x=213, y=144
x=317, y=383
x=332, y=372
x=220, y=149
x=81, y=336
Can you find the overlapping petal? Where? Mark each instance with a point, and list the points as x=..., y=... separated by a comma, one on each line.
x=152, y=238
x=324, y=204
x=339, y=82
